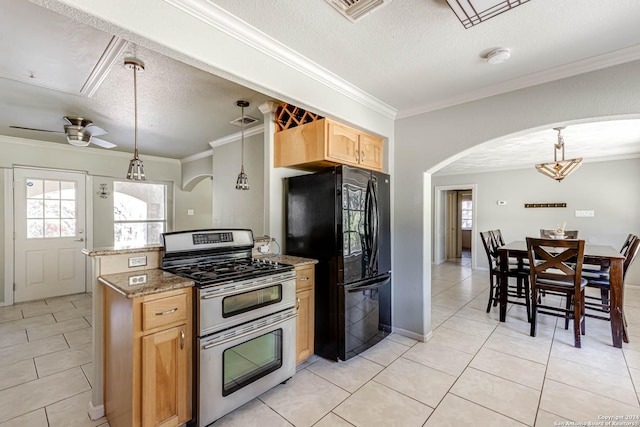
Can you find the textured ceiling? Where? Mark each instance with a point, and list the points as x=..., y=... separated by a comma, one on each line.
x=413, y=55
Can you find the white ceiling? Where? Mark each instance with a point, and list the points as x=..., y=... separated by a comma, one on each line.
x=413, y=55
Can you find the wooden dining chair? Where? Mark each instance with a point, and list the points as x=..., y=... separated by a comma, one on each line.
x=516, y=293
x=600, y=279
x=556, y=266
x=550, y=234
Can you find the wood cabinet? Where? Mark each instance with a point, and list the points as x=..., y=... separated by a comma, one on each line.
x=324, y=143
x=305, y=303
x=148, y=359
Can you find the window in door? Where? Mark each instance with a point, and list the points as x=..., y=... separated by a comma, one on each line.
x=139, y=213
x=51, y=208
x=466, y=215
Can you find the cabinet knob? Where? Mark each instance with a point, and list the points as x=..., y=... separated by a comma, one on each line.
x=362, y=155
x=357, y=156
x=303, y=279
x=181, y=340
x=298, y=304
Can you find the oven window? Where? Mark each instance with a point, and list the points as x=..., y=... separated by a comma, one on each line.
x=241, y=303
x=251, y=360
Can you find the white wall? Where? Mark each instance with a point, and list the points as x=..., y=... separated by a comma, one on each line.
x=422, y=142
x=236, y=208
x=608, y=188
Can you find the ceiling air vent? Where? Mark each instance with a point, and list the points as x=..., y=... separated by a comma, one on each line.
x=248, y=120
x=353, y=10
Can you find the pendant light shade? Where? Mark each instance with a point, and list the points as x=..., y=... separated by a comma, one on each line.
x=242, y=183
x=559, y=169
x=136, y=169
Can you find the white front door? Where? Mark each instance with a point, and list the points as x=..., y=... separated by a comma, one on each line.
x=49, y=228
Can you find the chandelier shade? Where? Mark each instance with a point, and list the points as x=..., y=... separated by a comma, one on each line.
x=473, y=12
x=559, y=169
x=136, y=168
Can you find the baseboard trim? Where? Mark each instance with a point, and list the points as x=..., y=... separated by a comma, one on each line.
x=413, y=335
x=95, y=412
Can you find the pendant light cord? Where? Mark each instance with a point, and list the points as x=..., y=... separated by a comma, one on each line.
x=135, y=110
x=242, y=144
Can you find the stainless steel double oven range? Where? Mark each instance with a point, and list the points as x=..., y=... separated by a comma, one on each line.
x=244, y=318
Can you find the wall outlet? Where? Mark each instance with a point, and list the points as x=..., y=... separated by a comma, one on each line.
x=263, y=249
x=585, y=214
x=140, y=279
x=138, y=261
x=190, y=212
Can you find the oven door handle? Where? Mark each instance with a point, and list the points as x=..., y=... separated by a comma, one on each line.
x=222, y=293
x=235, y=337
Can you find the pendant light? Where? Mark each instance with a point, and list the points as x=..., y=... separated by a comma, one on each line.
x=136, y=170
x=242, y=182
x=559, y=169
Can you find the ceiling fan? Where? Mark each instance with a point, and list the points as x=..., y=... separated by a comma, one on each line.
x=79, y=131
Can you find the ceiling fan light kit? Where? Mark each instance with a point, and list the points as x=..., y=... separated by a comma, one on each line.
x=242, y=183
x=559, y=169
x=473, y=12
x=136, y=169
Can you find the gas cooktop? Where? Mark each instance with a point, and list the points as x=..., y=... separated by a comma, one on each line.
x=225, y=271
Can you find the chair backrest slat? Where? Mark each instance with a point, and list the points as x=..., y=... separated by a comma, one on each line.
x=634, y=248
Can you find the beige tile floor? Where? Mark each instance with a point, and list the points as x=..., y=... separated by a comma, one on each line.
x=474, y=371
x=46, y=363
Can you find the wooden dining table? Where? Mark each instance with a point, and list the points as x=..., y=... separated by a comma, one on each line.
x=603, y=255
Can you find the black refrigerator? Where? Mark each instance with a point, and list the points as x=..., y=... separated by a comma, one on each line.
x=341, y=217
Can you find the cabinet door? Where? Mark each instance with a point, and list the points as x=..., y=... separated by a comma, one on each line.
x=342, y=144
x=370, y=152
x=304, y=325
x=164, y=378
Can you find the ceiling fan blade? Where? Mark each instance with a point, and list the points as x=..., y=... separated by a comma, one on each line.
x=94, y=130
x=102, y=143
x=37, y=130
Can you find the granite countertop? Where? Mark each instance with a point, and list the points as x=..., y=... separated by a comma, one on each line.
x=156, y=281
x=289, y=259
x=115, y=250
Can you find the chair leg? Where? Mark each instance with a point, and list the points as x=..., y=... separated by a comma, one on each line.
x=492, y=290
x=534, y=312
x=577, y=310
x=527, y=298
x=604, y=296
x=567, y=306
x=583, y=318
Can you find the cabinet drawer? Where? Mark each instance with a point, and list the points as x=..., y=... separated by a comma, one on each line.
x=164, y=311
x=304, y=278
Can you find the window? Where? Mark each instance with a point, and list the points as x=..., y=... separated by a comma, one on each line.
x=139, y=213
x=467, y=215
x=51, y=208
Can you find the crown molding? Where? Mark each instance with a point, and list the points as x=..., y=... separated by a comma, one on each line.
x=237, y=136
x=222, y=20
x=108, y=59
x=88, y=150
x=197, y=156
x=524, y=167
x=594, y=63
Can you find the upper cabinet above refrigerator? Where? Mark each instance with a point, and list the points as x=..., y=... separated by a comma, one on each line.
x=313, y=143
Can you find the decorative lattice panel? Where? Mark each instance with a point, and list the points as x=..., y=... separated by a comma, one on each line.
x=289, y=116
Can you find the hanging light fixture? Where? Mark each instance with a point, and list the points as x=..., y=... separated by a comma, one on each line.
x=243, y=181
x=136, y=170
x=473, y=12
x=559, y=169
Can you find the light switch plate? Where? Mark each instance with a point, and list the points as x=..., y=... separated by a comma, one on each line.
x=585, y=214
x=138, y=261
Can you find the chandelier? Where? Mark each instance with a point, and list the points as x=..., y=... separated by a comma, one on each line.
x=136, y=169
x=242, y=183
x=559, y=169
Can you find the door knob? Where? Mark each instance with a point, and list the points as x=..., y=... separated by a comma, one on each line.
x=79, y=240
